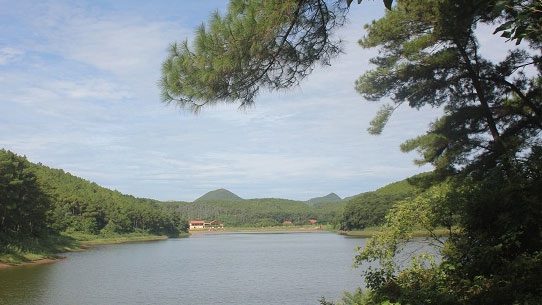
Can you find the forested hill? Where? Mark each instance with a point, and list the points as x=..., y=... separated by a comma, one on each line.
x=357, y=212
x=233, y=210
x=219, y=195
x=36, y=200
x=369, y=209
x=331, y=197
x=63, y=202
x=262, y=212
x=226, y=195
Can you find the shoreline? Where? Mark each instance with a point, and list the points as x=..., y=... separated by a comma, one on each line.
x=32, y=263
x=86, y=244
x=259, y=230
x=117, y=240
x=83, y=246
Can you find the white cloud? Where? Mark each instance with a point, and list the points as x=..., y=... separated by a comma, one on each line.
x=82, y=96
x=8, y=54
x=119, y=46
x=90, y=88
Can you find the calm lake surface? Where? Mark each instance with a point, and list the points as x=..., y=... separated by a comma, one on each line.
x=227, y=268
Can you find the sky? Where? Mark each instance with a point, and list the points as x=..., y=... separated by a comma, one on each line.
x=78, y=91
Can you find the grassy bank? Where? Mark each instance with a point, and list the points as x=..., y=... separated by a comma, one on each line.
x=86, y=240
x=27, y=251
x=47, y=249
x=32, y=249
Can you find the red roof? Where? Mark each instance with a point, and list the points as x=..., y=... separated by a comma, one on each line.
x=197, y=222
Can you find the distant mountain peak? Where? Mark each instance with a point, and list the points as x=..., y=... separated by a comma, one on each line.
x=331, y=197
x=220, y=195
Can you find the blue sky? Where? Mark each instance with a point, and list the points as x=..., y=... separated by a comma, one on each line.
x=78, y=91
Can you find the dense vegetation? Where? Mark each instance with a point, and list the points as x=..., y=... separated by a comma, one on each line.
x=369, y=209
x=353, y=213
x=486, y=147
x=38, y=203
x=80, y=205
x=23, y=202
x=263, y=212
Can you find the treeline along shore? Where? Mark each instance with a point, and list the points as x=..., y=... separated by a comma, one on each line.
x=45, y=211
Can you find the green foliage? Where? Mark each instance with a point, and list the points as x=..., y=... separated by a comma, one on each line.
x=22, y=248
x=35, y=199
x=497, y=255
x=423, y=211
x=433, y=60
x=485, y=147
x=358, y=297
x=329, y=212
x=369, y=209
x=487, y=143
x=23, y=204
x=523, y=20
x=380, y=120
x=80, y=205
x=492, y=257
x=256, y=44
x=262, y=212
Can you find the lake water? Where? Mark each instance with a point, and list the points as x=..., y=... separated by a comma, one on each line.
x=227, y=268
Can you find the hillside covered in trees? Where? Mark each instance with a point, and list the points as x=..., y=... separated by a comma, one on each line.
x=353, y=213
x=235, y=211
x=220, y=195
x=370, y=209
x=39, y=203
x=59, y=201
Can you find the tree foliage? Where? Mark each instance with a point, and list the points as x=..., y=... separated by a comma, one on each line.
x=82, y=206
x=275, y=44
x=263, y=212
x=523, y=20
x=23, y=204
x=37, y=203
x=491, y=255
x=370, y=209
x=433, y=60
x=487, y=143
x=485, y=148
x=255, y=45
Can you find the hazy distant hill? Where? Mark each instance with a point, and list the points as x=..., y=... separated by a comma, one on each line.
x=331, y=197
x=219, y=195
